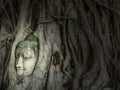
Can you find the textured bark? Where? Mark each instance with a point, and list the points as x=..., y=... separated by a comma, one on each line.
x=78, y=44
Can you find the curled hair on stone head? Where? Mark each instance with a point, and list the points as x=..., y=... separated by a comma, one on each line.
x=31, y=37
x=30, y=41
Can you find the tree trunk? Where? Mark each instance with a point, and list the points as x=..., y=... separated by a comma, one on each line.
x=78, y=44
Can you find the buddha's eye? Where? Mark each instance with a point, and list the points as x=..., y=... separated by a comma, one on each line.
x=27, y=57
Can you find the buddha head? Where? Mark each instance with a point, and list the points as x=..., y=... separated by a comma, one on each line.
x=26, y=55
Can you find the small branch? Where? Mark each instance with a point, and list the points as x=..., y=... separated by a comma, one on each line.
x=62, y=17
x=55, y=17
x=13, y=17
x=47, y=21
x=59, y=17
x=107, y=7
x=69, y=8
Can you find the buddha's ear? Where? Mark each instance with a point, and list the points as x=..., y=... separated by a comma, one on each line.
x=35, y=46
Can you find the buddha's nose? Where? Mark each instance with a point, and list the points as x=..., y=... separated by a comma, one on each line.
x=20, y=63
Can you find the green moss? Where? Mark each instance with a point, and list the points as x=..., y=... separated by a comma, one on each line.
x=31, y=37
x=30, y=41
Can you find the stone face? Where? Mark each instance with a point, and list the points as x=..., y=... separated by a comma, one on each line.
x=26, y=56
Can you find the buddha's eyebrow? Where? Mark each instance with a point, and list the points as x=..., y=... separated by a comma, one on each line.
x=26, y=54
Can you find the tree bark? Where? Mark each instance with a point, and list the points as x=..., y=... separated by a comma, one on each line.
x=78, y=44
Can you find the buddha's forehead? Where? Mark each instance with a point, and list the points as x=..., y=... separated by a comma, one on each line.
x=27, y=43
x=26, y=50
x=26, y=47
x=24, y=44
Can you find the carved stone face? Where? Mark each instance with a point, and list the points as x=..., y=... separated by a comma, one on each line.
x=26, y=57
